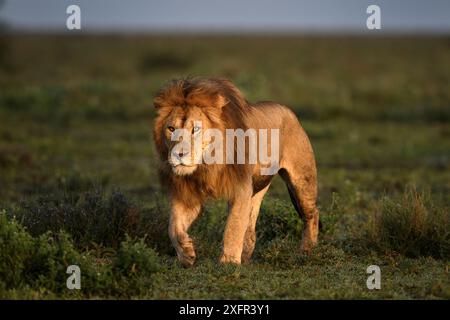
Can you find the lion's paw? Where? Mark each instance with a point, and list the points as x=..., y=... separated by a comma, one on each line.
x=230, y=259
x=187, y=256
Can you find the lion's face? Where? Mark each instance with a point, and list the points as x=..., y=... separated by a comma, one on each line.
x=183, y=137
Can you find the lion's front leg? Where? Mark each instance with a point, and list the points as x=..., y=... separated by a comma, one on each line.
x=250, y=234
x=237, y=223
x=181, y=217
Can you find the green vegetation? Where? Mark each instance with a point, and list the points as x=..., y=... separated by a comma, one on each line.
x=78, y=181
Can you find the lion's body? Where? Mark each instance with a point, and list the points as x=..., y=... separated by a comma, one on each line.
x=220, y=105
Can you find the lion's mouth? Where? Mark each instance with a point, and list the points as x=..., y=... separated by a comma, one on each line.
x=184, y=169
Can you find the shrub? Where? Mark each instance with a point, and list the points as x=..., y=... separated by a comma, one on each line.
x=208, y=229
x=16, y=246
x=135, y=259
x=412, y=225
x=276, y=220
x=96, y=220
x=91, y=218
x=39, y=263
x=154, y=225
x=52, y=254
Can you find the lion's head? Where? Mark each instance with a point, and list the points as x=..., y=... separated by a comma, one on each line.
x=186, y=109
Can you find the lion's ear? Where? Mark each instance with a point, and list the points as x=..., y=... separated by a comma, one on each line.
x=221, y=101
x=163, y=108
x=158, y=103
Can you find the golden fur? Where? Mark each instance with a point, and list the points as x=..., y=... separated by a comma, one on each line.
x=220, y=105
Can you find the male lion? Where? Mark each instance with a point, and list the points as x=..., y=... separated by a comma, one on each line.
x=218, y=104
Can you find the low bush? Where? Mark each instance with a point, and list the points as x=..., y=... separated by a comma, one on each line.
x=16, y=246
x=90, y=218
x=277, y=220
x=135, y=259
x=39, y=265
x=410, y=224
x=38, y=262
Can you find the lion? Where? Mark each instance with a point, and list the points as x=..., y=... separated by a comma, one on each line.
x=218, y=104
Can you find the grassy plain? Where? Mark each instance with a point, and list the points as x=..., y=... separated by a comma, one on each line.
x=78, y=181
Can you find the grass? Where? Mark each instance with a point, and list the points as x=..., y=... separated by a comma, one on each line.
x=78, y=182
x=412, y=225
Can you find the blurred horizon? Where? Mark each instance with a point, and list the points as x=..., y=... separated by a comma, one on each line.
x=218, y=17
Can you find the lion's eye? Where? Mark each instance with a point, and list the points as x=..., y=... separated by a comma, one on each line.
x=171, y=129
x=195, y=129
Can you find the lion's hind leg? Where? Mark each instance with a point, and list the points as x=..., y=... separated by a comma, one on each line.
x=303, y=192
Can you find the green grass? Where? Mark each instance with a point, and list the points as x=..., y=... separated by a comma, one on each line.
x=78, y=180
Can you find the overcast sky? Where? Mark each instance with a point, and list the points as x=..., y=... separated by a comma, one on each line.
x=228, y=15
